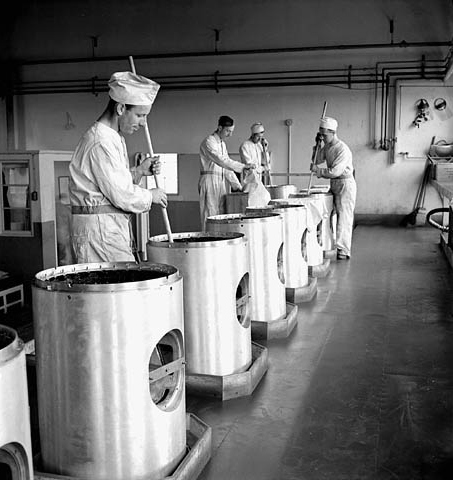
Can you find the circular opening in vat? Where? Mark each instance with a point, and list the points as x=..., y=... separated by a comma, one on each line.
x=13, y=464
x=319, y=233
x=166, y=371
x=280, y=264
x=5, y=471
x=303, y=245
x=7, y=337
x=332, y=221
x=242, y=301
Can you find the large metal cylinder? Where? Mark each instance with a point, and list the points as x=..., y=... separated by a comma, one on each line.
x=216, y=298
x=110, y=374
x=281, y=191
x=328, y=219
x=15, y=442
x=265, y=252
x=315, y=254
x=295, y=231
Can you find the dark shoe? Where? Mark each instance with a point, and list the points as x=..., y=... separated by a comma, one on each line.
x=342, y=256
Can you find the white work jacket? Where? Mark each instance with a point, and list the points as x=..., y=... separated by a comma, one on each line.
x=100, y=178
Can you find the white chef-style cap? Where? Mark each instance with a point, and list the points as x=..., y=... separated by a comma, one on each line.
x=257, y=127
x=132, y=89
x=329, y=123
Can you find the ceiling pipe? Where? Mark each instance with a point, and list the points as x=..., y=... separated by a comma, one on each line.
x=366, y=46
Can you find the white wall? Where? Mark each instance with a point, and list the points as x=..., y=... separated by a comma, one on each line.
x=180, y=120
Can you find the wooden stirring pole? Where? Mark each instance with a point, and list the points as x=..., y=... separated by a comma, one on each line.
x=316, y=150
x=156, y=179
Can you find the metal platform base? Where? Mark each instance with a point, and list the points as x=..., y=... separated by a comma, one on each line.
x=330, y=254
x=231, y=386
x=303, y=294
x=320, y=271
x=199, y=446
x=278, y=328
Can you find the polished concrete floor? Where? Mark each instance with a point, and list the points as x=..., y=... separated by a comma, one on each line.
x=363, y=387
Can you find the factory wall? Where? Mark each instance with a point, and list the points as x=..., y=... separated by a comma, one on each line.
x=181, y=119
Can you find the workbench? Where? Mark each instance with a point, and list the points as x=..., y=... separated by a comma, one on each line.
x=445, y=190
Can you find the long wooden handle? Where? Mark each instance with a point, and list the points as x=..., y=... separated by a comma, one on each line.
x=316, y=150
x=156, y=179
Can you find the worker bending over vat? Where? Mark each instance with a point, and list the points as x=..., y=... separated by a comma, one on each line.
x=103, y=191
x=338, y=158
x=255, y=151
x=217, y=171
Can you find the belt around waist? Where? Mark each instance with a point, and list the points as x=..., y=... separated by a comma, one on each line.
x=343, y=177
x=95, y=210
x=211, y=173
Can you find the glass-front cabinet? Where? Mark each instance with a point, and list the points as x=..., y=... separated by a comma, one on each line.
x=15, y=205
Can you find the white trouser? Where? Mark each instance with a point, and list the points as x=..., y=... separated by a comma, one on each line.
x=213, y=190
x=344, y=194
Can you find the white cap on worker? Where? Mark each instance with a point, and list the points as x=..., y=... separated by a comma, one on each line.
x=257, y=127
x=132, y=89
x=328, y=123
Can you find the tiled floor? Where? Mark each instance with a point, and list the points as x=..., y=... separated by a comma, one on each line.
x=363, y=388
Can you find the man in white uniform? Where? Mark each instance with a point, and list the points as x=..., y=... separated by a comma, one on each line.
x=254, y=151
x=338, y=158
x=217, y=171
x=103, y=191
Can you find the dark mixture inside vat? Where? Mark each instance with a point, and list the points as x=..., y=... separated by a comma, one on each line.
x=198, y=239
x=108, y=276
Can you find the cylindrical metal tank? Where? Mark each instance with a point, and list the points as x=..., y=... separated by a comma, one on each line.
x=294, y=242
x=281, y=191
x=328, y=219
x=264, y=232
x=236, y=202
x=15, y=442
x=216, y=298
x=110, y=370
x=315, y=254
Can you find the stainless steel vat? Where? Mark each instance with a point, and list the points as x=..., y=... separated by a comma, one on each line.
x=264, y=232
x=315, y=255
x=328, y=219
x=294, y=242
x=15, y=442
x=281, y=191
x=216, y=298
x=110, y=374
